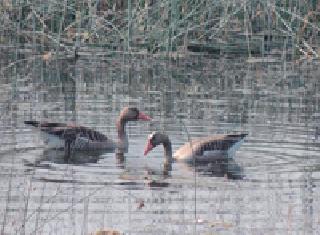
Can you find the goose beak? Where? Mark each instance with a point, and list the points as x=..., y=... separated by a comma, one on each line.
x=148, y=148
x=144, y=117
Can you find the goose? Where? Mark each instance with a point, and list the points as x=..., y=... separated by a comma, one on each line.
x=81, y=138
x=202, y=149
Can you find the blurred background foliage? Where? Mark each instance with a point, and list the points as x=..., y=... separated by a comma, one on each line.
x=250, y=28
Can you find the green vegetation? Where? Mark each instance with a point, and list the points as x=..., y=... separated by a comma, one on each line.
x=253, y=27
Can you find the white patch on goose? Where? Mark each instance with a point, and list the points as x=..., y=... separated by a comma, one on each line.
x=52, y=141
x=151, y=135
x=235, y=147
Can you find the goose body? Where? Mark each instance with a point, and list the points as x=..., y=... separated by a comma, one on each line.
x=202, y=149
x=81, y=138
x=209, y=147
x=55, y=135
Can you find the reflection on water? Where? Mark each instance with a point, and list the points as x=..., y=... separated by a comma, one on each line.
x=58, y=157
x=270, y=186
x=225, y=167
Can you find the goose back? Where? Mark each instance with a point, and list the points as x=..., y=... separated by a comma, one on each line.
x=208, y=146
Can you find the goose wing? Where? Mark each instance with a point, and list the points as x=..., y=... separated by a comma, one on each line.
x=64, y=131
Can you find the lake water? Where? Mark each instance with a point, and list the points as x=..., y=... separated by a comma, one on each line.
x=271, y=186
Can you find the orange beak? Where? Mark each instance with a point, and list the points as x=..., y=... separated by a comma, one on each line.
x=148, y=148
x=144, y=117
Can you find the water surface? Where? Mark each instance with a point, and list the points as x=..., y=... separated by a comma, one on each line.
x=270, y=186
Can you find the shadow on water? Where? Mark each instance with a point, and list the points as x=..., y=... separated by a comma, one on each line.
x=49, y=159
x=221, y=166
x=156, y=179
x=78, y=158
x=53, y=156
x=134, y=175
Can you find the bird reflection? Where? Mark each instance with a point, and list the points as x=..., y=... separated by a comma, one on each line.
x=82, y=157
x=157, y=178
x=223, y=166
x=120, y=159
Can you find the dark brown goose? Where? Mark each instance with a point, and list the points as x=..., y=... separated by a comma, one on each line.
x=202, y=149
x=71, y=137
